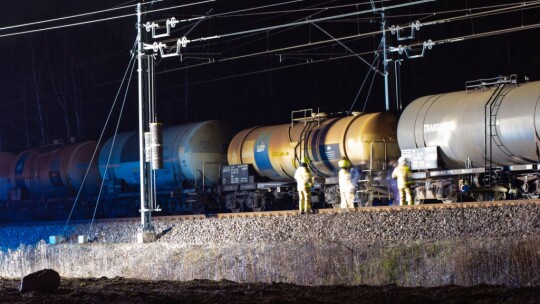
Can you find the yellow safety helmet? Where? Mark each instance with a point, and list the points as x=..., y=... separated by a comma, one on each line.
x=344, y=163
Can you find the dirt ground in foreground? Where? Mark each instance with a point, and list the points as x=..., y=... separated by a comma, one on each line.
x=120, y=290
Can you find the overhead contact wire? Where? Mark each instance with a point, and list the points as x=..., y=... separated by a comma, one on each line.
x=100, y=20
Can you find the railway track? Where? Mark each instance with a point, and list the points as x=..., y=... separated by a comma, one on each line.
x=332, y=210
x=296, y=212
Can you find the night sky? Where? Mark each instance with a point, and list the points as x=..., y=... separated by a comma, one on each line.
x=71, y=75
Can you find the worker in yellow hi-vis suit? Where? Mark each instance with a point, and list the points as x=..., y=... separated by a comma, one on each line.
x=303, y=185
x=402, y=173
x=346, y=187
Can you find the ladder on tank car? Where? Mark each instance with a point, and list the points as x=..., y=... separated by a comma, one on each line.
x=491, y=109
x=310, y=119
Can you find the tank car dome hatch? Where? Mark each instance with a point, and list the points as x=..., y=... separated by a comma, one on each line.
x=275, y=151
x=321, y=114
x=456, y=123
x=189, y=152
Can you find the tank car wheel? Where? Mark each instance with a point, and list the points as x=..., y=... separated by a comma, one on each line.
x=332, y=197
x=197, y=209
x=261, y=201
x=452, y=198
x=368, y=202
x=499, y=196
x=478, y=197
x=256, y=202
x=235, y=202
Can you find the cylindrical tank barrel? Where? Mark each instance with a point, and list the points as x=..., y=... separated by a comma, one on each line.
x=58, y=171
x=66, y=168
x=189, y=152
x=276, y=151
x=460, y=122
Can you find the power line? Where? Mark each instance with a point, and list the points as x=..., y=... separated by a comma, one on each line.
x=259, y=71
x=101, y=20
x=63, y=18
x=341, y=38
x=484, y=34
x=513, y=7
x=518, y=7
x=362, y=35
x=267, y=36
x=313, y=8
x=462, y=38
x=269, y=28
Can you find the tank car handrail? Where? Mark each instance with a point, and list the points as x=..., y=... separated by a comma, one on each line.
x=489, y=82
x=318, y=117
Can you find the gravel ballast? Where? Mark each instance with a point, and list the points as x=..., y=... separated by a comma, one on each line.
x=388, y=224
x=473, y=244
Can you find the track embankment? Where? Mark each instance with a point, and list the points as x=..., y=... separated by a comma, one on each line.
x=427, y=245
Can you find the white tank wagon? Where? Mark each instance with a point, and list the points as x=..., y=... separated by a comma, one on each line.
x=485, y=139
x=368, y=140
x=192, y=157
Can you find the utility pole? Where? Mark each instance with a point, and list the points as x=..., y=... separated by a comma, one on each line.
x=146, y=232
x=385, y=63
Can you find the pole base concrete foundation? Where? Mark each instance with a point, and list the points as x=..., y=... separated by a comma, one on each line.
x=146, y=237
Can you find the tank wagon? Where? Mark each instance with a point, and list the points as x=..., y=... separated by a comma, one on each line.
x=262, y=160
x=192, y=158
x=479, y=144
x=36, y=183
x=54, y=171
x=42, y=184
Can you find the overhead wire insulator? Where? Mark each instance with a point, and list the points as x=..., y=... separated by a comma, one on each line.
x=405, y=49
x=173, y=50
x=171, y=22
x=414, y=26
x=152, y=26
